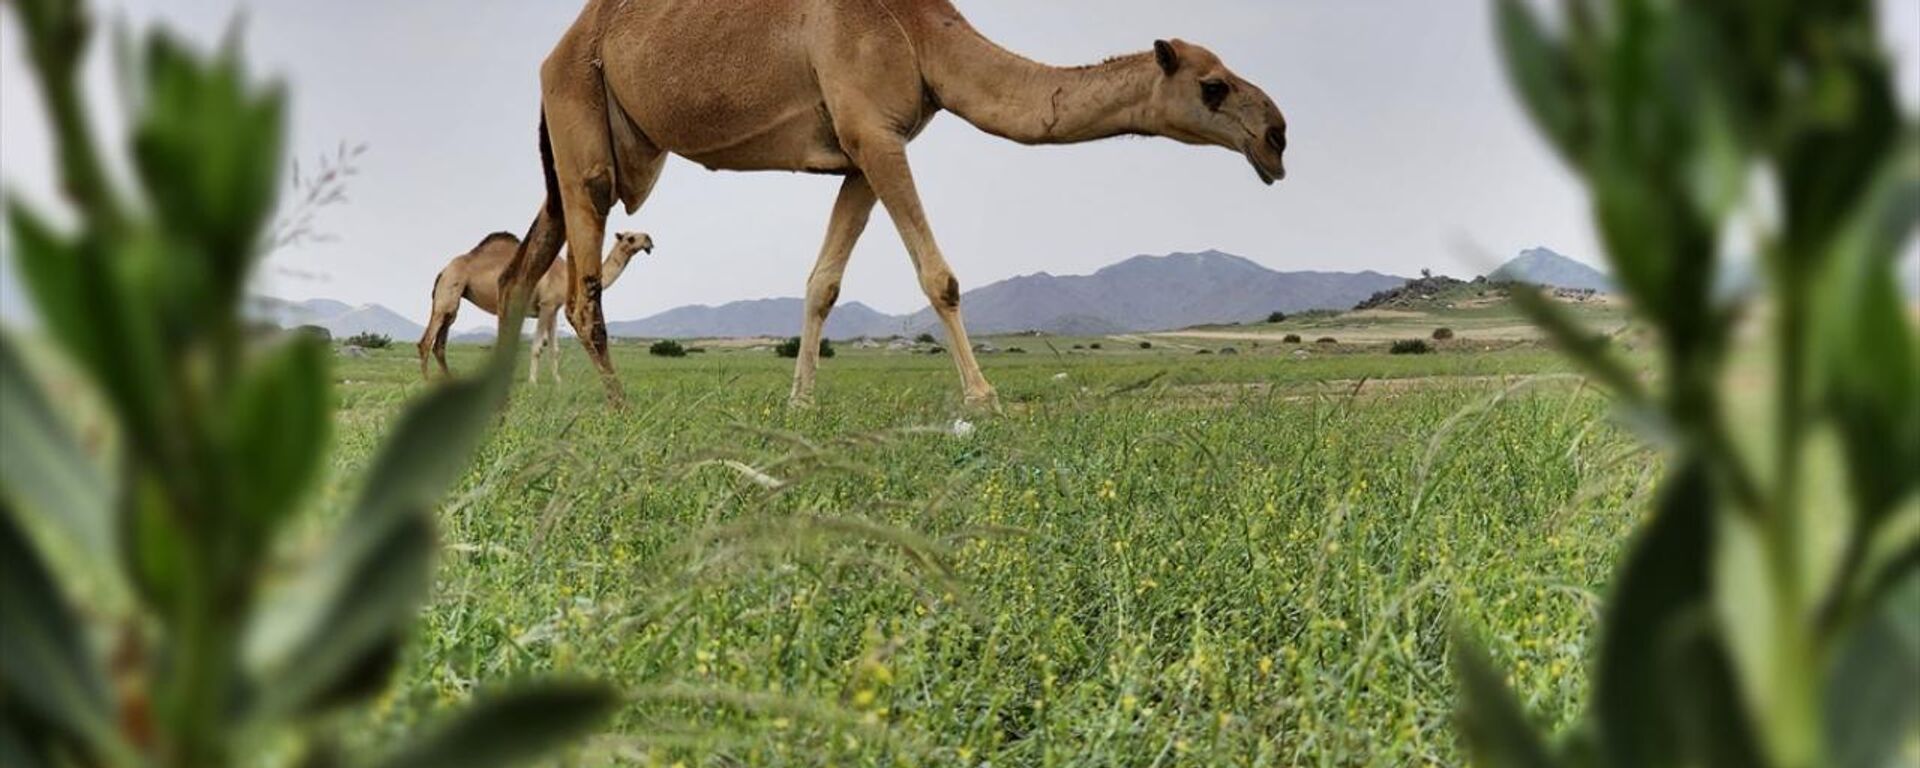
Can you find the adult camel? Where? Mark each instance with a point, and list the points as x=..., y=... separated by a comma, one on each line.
x=474, y=276
x=834, y=87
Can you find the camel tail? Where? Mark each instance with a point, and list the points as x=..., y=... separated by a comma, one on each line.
x=554, y=208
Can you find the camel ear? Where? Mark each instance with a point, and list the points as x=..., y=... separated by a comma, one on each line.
x=1164, y=53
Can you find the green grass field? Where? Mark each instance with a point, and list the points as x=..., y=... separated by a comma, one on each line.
x=1152, y=557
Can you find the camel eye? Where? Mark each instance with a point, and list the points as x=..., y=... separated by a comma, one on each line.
x=1214, y=93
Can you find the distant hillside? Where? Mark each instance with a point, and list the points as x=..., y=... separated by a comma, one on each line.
x=1541, y=266
x=760, y=317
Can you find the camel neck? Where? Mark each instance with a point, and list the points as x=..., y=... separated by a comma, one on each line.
x=616, y=263
x=1007, y=95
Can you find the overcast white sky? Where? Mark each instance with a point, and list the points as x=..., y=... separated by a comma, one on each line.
x=1406, y=151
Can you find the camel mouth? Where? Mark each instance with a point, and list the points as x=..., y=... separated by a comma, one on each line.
x=1269, y=169
x=1268, y=175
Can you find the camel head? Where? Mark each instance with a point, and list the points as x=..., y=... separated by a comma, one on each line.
x=1200, y=101
x=630, y=243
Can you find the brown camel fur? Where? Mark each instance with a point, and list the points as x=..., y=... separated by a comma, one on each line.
x=835, y=87
x=475, y=277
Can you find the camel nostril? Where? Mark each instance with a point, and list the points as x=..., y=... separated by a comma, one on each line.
x=1277, y=138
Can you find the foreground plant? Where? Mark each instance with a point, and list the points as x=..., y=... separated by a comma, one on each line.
x=1769, y=613
x=170, y=636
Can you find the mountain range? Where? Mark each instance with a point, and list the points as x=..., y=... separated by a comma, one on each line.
x=1143, y=293
x=339, y=318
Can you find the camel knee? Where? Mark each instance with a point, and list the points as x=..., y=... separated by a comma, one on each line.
x=822, y=296
x=942, y=288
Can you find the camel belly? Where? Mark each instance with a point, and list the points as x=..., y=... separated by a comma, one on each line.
x=729, y=84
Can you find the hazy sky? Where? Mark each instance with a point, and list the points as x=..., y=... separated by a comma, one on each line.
x=1405, y=151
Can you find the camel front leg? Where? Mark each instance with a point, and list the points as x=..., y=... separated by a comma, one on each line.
x=850, y=214
x=541, y=329
x=883, y=157
x=553, y=346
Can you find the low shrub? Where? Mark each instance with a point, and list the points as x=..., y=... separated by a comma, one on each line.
x=1146, y=345
x=1095, y=345
x=1292, y=338
x=667, y=348
x=1410, y=347
x=1442, y=334
x=1326, y=340
x=1277, y=317
x=316, y=332
x=369, y=341
x=925, y=338
x=791, y=348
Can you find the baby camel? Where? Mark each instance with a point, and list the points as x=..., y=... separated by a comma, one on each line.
x=475, y=276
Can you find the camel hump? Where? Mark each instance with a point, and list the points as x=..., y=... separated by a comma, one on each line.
x=507, y=237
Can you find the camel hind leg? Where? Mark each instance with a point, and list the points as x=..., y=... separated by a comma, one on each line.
x=850, y=214
x=446, y=306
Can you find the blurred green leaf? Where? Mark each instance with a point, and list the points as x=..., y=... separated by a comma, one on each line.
x=154, y=544
x=83, y=307
x=43, y=470
x=1868, y=360
x=354, y=603
x=511, y=728
x=207, y=148
x=1873, y=703
x=22, y=746
x=431, y=446
x=1712, y=714
x=281, y=415
x=1496, y=732
x=362, y=592
x=45, y=666
x=57, y=275
x=1663, y=580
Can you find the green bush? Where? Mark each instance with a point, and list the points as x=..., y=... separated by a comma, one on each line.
x=1442, y=334
x=178, y=530
x=1277, y=317
x=1146, y=345
x=925, y=338
x=1326, y=340
x=1410, y=347
x=1291, y=338
x=1095, y=345
x=369, y=341
x=315, y=332
x=667, y=348
x=791, y=348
